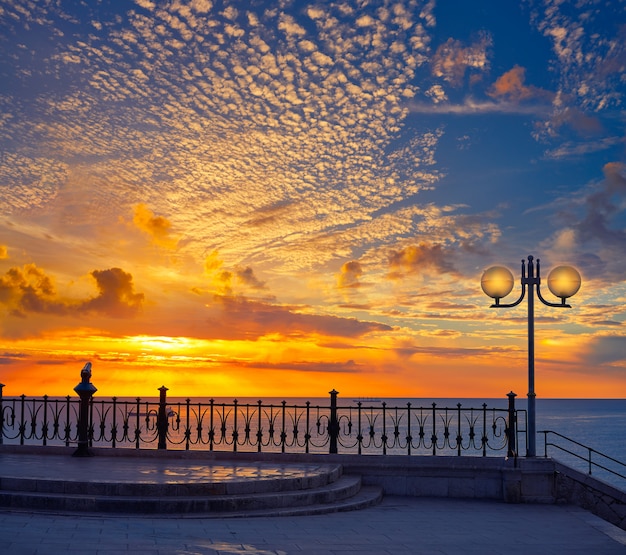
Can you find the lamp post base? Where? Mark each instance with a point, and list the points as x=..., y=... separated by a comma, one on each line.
x=82, y=451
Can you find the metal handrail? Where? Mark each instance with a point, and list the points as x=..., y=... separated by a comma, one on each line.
x=587, y=459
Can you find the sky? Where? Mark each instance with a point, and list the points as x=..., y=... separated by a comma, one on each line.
x=281, y=198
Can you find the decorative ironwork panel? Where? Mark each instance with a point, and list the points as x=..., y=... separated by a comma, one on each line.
x=358, y=428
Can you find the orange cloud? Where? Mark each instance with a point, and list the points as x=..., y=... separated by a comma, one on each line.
x=29, y=290
x=239, y=318
x=349, y=275
x=117, y=297
x=510, y=86
x=419, y=258
x=4, y=253
x=157, y=227
x=212, y=263
x=348, y=366
x=222, y=279
x=246, y=277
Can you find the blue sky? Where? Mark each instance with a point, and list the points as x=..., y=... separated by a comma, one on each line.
x=310, y=191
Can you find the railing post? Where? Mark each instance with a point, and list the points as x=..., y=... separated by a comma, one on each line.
x=22, y=428
x=433, y=438
x=307, y=435
x=1, y=415
x=333, y=422
x=44, y=426
x=85, y=390
x=68, y=425
x=114, y=425
x=459, y=437
x=162, y=422
x=283, y=433
x=235, y=430
x=511, y=431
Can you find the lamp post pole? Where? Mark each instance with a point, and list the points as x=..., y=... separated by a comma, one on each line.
x=563, y=281
x=532, y=424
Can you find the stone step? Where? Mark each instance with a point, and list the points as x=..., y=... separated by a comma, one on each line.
x=343, y=494
x=205, y=482
x=368, y=496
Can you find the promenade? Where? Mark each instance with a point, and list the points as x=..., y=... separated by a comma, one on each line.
x=398, y=525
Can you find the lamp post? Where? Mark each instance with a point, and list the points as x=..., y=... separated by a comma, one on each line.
x=563, y=281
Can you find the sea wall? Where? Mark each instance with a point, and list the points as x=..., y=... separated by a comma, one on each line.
x=536, y=480
x=599, y=498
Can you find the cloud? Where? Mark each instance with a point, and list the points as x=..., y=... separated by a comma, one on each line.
x=28, y=290
x=615, y=173
x=116, y=297
x=4, y=252
x=582, y=124
x=221, y=279
x=591, y=233
x=471, y=106
x=239, y=318
x=157, y=227
x=246, y=277
x=348, y=366
x=452, y=59
x=510, y=86
x=212, y=263
x=590, y=51
x=286, y=107
x=607, y=349
x=437, y=93
x=349, y=275
x=603, y=205
x=420, y=258
x=407, y=351
x=577, y=150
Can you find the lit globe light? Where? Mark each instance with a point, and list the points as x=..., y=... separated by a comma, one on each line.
x=497, y=282
x=564, y=281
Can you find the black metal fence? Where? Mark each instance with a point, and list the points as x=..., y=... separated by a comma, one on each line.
x=580, y=456
x=354, y=428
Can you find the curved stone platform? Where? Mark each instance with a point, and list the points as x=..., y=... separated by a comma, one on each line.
x=176, y=486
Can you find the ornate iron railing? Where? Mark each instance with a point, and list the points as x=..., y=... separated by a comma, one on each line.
x=356, y=428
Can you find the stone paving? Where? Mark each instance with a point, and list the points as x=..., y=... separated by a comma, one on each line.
x=399, y=525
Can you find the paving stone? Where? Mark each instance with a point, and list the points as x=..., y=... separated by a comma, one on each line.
x=397, y=526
